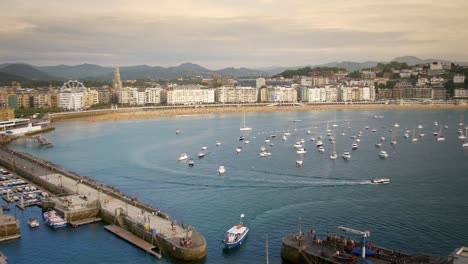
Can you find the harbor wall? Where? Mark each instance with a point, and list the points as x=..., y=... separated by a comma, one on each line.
x=36, y=170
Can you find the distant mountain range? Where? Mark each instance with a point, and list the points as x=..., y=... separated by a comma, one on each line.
x=22, y=71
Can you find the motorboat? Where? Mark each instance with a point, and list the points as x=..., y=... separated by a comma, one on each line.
x=319, y=143
x=358, y=140
x=302, y=141
x=380, y=181
x=421, y=135
x=236, y=235
x=218, y=143
x=298, y=163
x=354, y=146
x=374, y=130
x=33, y=222
x=182, y=157
x=383, y=154
x=284, y=138
x=272, y=135
x=420, y=126
x=241, y=137
x=286, y=133
x=367, y=127
x=393, y=142
x=382, y=139
x=238, y=149
x=297, y=145
x=308, y=132
x=301, y=151
x=246, y=141
x=267, y=141
x=333, y=155
x=406, y=135
x=441, y=138
x=396, y=125
x=265, y=154
x=221, y=170
x=204, y=147
x=343, y=257
x=346, y=155
x=321, y=149
x=312, y=139
x=201, y=155
x=191, y=163
x=178, y=132
x=262, y=148
x=53, y=219
x=378, y=144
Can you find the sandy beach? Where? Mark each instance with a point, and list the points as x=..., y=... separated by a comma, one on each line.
x=162, y=113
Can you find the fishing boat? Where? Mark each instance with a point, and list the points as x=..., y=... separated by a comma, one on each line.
x=221, y=170
x=420, y=126
x=33, y=222
x=243, y=126
x=333, y=155
x=346, y=155
x=380, y=181
x=236, y=235
x=396, y=125
x=182, y=157
x=383, y=154
x=54, y=220
x=201, y=155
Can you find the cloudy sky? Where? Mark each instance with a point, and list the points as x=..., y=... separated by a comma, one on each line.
x=226, y=33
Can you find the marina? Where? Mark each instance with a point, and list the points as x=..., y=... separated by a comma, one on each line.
x=273, y=191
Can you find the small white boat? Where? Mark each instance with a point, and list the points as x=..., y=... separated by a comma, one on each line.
x=191, y=163
x=380, y=181
x=354, y=146
x=435, y=123
x=420, y=126
x=287, y=134
x=265, y=154
x=262, y=148
x=246, y=142
x=435, y=134
x=302, y=141
x=383, y=154
x=441, y=138
x=201, y=155
x=465, y=145
x=319, y=143
x=308, y=132
x=321, y=149
x=33, y=222
x=204, y=148
x=414, y=139
x=271, y=144
x=177, y=131
x=396, y=125
x=374, y=130
x=358, y=140
x=243, y=126
x=267, y=141
x=301, y=151
x=333, y=155
x=218, y=143
x=367, y=127
x=378, y=144
x=221, y=170
x=284, y=138
x=312, y=139
x=346, y=155
x=406, y=135
x=182, y=157
x=421, y=135
x=238, y=149
x=393, y=142
x=297, y=145
x=446, y=126
x=298, y=163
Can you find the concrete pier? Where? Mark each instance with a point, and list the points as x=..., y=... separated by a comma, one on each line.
x=80, y=199
x=9, y=227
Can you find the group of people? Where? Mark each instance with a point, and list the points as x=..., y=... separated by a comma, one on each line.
x=186, y=242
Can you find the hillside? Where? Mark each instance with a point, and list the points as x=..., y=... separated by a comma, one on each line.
x=27, y=71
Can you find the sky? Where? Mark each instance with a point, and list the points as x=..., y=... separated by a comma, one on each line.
x=230, y=33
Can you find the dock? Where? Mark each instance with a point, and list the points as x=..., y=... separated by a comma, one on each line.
x=85, y=221
x=134, y=240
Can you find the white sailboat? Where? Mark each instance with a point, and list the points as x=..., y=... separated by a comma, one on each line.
x=465, y=145
x=440, y=137
x=243, y=126
x=334, y=155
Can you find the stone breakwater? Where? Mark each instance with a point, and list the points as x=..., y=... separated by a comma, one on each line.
x=114, y=206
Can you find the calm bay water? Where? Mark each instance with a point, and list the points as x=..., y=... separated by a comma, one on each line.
x=424, y=209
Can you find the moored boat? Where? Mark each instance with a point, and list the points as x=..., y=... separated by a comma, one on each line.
x=54, y=220
x=383, y=154
x=221, y=170
x=33, y=222
x=236, y=235
x=182, y=157
x=346, y=155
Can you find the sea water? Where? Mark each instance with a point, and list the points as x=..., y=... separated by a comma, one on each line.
x=423, y=210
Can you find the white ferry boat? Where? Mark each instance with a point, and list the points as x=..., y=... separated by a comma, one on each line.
x=18, y=126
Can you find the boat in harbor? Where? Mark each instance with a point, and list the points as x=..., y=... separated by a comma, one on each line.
x=265, y=154
x=5, y=208
x=334, y=155
x=238, y=149
x=236, y=235
x=182, y=157
x=299, y=163
x=301, y=151
x=354, y=146
x=243, y=126
x=18, y=126
x=201, y=155
x=465, y=145
x=177, y=131
x=204, y=147
x=191, y=163
x=383, y=154
x=33, y=222
x=218, y=143
x=440, y=137
x=221, y=170
x=380, y=181
x=344, y=257
x=346, y=155
x=321, y=149
x=54, y=220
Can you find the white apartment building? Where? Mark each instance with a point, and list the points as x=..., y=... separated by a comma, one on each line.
x=229, y=94
x=153, y=95
x=190, y=94
x=91, y=97
x=260, y=82
x=436, y=66
x=459, y=78
x=356, y=94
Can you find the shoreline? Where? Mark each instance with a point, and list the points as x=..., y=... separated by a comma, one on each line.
x=140, y=113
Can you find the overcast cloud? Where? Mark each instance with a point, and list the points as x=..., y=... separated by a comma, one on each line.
x=224, y=33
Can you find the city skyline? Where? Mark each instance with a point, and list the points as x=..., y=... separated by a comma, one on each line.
x=218, y=34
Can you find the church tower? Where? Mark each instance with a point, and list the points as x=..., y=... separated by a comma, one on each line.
x=117, y=81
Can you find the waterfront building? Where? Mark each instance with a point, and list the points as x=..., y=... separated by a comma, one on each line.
x=190, y=94
x=306, y=81
x=7, y=114
x=439, y=93
x=459, y=78
x=54, y=99
x=123, y=95
x=260, y=82
x=41, y=100
x=356, y=93
x=117, y=80
x=461, y=93
x=91, y=98
x=24, y=100
x=319, y=81
x=153, y=96
x=104, y=96
x=384, y=94
x=229, y=94
x=282, y=94
x=417, y=93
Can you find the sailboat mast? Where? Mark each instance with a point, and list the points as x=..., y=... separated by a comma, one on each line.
x=266, y=245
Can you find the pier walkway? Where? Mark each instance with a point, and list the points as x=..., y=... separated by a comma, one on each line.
x=136, y=241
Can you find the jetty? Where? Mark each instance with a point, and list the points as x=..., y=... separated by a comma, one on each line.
x=82, y=200
x=136, y=241
x=338, y=249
